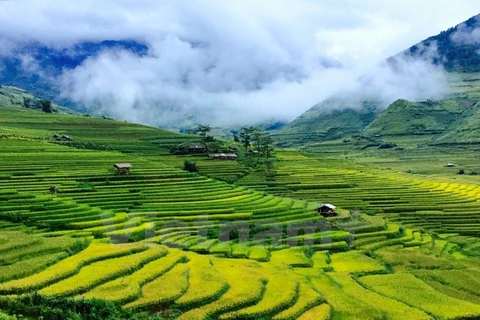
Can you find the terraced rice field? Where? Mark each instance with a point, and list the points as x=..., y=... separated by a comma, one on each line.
x=164, y=239
x=436, y=206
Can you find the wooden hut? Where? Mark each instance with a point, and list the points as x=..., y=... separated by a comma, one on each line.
x=327, y=210
x=122, y=168
x=197, y=149
x=222, y=156
x=217, y=156
x=62, y=138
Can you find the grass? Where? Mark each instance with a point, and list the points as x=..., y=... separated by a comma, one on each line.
x=345, y=306
x=390, y=307
x=68, y=267
x=200, y=243
x=100, y=272
x=259, y=253
x=247, y=286
x=294, y=257
x=308, y=298
x=281, y=292
x=321, y=312
x=412, y=291
x=128, y=288
x=164, y=289
x=464, y=280
x=353, y=262
x=321, y=259
x=29, y=266
x=205, y=283
x=44, y=246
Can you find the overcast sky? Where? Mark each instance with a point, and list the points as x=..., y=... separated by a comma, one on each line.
x=246, y=58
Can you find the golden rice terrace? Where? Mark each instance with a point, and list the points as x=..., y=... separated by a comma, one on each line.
x=228, y=242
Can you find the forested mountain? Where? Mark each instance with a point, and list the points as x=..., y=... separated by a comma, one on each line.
x=456, y=49
x=35, y=67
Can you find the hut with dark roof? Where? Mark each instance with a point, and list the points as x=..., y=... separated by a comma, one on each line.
x=122, y=168
x=327, y=210
x=197, y=149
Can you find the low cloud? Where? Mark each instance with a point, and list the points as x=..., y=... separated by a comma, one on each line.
x=244, y=62
x=7, y=46
x=466, y=34
x=179, y=82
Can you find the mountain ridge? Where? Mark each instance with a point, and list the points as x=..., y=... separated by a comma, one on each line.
x=34, y=67
x=454, y=50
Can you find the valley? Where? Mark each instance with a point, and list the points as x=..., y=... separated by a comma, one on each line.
x=366, y=206
x=191, y=246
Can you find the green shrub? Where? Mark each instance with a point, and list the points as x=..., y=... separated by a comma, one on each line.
x=190, y=166
x=36, y=306
x=46, y=106
x=78, y=246
x=83, y=145
x=4, y=316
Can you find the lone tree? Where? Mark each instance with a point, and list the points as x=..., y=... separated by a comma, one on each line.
x=246, y=137
x=189, y=131
x=262, y=142
x=203, y=131
x=46, y=106
x=234, y=133
x=257, y=139
x=267, y=150
x=29, y=103
x=190, y=166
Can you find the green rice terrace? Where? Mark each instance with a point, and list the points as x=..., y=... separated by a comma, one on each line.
x=228, y=242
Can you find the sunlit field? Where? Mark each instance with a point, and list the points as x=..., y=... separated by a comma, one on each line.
x=231, y=241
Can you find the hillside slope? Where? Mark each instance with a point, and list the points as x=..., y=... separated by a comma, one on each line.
x=38, y=73
x=456, y=49
x=185, y=228
x=15, y=97
x=466, y=132
x=416, y=118
x=332, y=119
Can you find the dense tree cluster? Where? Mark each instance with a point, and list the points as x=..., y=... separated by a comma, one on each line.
x=34, y=103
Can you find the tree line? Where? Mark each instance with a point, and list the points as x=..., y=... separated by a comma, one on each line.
x=256, y=142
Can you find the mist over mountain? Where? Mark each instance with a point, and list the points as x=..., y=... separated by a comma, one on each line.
x=168, y=63
x=456, y=49
x=420, y=73
x=140, y=82
x=37, y=68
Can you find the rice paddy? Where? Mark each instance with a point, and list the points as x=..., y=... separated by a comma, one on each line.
x=164, y=239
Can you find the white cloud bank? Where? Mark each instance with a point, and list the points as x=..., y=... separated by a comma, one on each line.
x=235, y=62
x=466, y=34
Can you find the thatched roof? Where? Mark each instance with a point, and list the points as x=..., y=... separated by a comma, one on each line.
x=328, y=205
x=122, y=165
